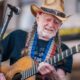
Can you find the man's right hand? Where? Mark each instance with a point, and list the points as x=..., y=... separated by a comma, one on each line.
x=2, y=77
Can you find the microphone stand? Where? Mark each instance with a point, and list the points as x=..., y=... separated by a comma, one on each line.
x=2, y=34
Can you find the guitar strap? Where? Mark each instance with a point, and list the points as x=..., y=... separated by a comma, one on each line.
x=49, y=50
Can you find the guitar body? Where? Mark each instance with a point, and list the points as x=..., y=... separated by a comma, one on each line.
x=22, y=64
x=26, y=63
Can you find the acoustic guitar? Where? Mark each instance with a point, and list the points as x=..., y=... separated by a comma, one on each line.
x=25, y=68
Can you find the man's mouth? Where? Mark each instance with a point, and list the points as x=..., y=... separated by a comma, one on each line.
x=49, y=29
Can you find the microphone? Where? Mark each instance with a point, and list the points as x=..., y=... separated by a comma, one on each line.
x=16, y=10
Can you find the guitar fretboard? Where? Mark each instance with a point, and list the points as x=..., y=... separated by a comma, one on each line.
x=55, y=59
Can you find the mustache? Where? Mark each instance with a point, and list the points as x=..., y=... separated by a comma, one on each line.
x=49, y=27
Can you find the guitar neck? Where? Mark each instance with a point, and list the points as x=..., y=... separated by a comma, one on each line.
x=55, y=59
x=29, y=72
x=69, y=52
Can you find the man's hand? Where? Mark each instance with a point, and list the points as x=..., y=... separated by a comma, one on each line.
x=50, y=72
x=2, y=77
x=45, y=68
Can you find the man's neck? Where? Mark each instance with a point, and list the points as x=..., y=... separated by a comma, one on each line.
x=43, y=38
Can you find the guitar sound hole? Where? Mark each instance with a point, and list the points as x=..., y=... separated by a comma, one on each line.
x=17, y=76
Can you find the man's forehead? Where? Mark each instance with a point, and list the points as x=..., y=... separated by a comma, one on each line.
x=44, y=13
x=48, y=15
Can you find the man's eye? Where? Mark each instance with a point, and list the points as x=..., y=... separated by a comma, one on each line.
x=56, y=22
x=48, y=20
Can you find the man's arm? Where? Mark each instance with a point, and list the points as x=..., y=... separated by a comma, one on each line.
x=2, y=77
x=62, y=74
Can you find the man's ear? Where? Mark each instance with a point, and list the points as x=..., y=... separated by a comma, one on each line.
x=37, y=17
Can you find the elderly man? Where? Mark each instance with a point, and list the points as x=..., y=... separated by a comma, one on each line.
x=42, y=43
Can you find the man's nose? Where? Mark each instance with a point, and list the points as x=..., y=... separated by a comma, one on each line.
x=50, y=24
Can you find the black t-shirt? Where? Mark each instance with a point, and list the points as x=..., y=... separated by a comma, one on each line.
x=63, y=64
x=15, y=42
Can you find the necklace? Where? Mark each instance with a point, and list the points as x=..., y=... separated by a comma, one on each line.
x=46, y=53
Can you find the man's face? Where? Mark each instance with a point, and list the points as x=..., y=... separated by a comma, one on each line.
x=47, y=26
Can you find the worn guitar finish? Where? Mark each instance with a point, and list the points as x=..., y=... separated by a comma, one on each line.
x=27, y=68
x=21, y=65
